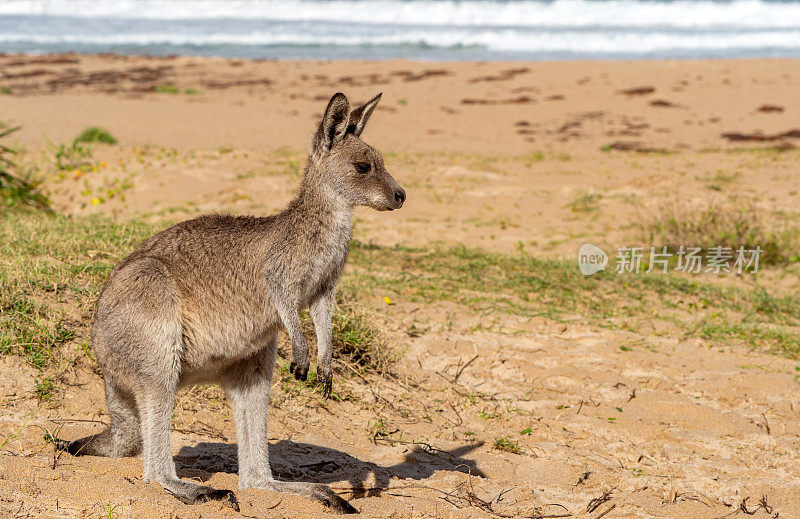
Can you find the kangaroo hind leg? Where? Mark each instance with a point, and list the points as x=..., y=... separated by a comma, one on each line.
x=122, y=437
x=158, y=464
x=248, y=386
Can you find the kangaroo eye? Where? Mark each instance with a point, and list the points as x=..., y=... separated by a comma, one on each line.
x=362, y=167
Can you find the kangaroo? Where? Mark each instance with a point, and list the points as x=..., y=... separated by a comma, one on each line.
x=204, y=300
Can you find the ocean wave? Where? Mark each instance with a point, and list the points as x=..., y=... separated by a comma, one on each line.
x=474, y=13
x=508, y=40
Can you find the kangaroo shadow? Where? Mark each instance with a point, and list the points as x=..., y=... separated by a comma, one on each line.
x=292, y=461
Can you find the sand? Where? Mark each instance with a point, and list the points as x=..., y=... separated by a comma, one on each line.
x=492, y=155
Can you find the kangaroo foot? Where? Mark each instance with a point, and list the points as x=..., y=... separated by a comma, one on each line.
x=299, y=370
x=332, y=500
x=314, y=491
x=191, y=493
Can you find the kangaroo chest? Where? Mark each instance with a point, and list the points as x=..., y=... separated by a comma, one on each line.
x=322, y=269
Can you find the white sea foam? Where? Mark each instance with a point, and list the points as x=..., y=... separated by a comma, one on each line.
x=437, y=29
x=571, y=41
x=557, y=13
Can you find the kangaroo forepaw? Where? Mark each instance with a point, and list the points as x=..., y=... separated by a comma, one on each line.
x=204, y=494
x=325, y=378
x=299, y=370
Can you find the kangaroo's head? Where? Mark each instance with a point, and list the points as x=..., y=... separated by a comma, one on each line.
x=346, y=167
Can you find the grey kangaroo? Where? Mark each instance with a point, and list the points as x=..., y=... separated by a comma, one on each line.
x=203, y=302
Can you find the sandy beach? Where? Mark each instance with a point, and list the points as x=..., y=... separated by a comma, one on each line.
x=635, y=416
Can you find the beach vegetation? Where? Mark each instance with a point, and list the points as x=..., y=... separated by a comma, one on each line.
x=506, y=445
x=17, y=185
x=52, y=266
x=45, y=387
x=166, y=88
x=724, y=223
x=585, y=202
x=95, y=134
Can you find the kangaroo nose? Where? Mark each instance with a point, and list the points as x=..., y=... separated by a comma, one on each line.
x=400, y=195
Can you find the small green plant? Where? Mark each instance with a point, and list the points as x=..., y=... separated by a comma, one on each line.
x=14, y=188
x=585, y=202
x=531, y=158
x=45, y=388
x=71, y=157
x=379, y=431
x=5, y=90
x=111, y=512
x=166, y=89
x=191, y=91
x=96, y=134
x=506, y=445
x=487, y=415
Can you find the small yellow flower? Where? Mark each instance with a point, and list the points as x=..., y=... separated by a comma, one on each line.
x=388, y=300
x=104, y=164
x=95, y=201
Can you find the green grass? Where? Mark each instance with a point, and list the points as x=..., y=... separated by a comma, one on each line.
x=585, y=203
x=95, y=134
x=45, y=387
x=52, y=269
x=484, y=283
x=733, y=224
x=166, y=89
x=506, y=445
x=51, y=272
x=29, y=329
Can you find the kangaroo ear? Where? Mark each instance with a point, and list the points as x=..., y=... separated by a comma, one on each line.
x=360, y=116
x=334, y=122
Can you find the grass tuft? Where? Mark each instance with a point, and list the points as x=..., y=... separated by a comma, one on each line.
x=95, y=134
x=585, y=202
x=166, y=89
x=506, y=445
x=45, y=388
x=724, y=224
x=71, y=157
x=358, y=340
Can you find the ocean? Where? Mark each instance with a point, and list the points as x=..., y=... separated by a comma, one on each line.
x=417, y=29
